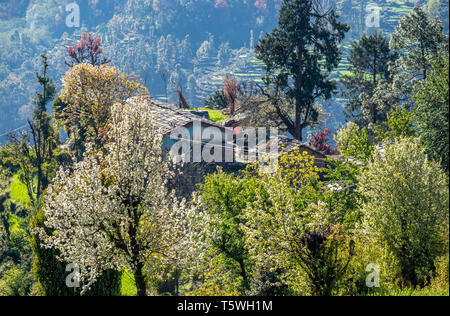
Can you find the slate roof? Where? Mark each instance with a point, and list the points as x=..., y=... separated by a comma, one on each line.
x=286, y=144
x=169, y=116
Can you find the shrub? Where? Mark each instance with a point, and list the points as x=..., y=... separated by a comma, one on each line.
x=295, y=226
x=406, y=207
x=354, y=142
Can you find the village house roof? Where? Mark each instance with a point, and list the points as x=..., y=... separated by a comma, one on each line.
x=169, y=117
x=286, y=144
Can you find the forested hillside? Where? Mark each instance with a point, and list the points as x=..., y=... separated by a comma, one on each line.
x=168, y=43
x=224, y=148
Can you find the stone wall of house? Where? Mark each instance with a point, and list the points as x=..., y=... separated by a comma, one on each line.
x=191, y=175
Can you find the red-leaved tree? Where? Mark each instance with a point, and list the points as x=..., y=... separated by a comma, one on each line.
x=87, y=50
x=319, y=142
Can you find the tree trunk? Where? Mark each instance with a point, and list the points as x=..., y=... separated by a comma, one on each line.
x=298, y=132
x=140, y=280
x=243, y=272
x=298, y=97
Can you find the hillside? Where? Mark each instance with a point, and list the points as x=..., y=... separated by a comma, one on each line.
x=191, y=44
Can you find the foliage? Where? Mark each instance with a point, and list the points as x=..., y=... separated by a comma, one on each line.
x=223, y=199
x=51, y=272
x=419, y=39
x=432, y=112
x=354, y=142
x=121, y=202
x=215, y=279
x=299, y=56
x=341, y=176
x=441, y=277
x=127, y=285
x=88, y=94
x=16, y=282
x=293, y=226
x=400, y=124
x=370, y=58
x=87, y=50
x=216, y=101
x=285, y=233
x=406, y=206
x=36, y=153
x=4, y=214
x=319, y=142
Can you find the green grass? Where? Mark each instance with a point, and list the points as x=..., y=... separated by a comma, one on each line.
x=19, y=193
x=15, y=223
x=214, y=115
x=128, y=286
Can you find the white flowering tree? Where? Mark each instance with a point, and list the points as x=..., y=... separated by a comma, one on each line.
x=406, y=206
x=295, y=226
x=113, y=210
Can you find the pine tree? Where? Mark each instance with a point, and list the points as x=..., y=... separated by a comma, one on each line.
x=44, y=136
x=432, y=99
x=299, y=57
x=418, y=39
x=369, y=61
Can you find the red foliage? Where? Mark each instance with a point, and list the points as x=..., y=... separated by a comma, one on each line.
x=320, y=143
x=87, y=50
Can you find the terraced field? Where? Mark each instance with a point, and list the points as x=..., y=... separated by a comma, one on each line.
x=245, y=67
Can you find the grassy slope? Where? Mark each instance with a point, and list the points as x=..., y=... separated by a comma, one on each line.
x=19, y=191
x=214, y=115
x=128, y=287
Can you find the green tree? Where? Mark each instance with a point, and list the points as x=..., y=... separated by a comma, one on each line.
x=295, y=225
x=34, y=154
x=216, y=101
x=353, y=141
x=432, y=111
x=224, y=198
x=299, y=57
x=406, y=206
x=400, y=123
x=4, y=196
x=44, y=136
x=369, y=61
x=418, y=39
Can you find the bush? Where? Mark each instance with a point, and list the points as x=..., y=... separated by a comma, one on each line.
x=16, y=282
x=51, y=273
x=354, y=142
x=296, y=226
x=406, y=207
